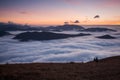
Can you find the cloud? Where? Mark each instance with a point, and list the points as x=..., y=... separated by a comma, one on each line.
x=97, y=16
x=109, y=3
x=118, y=17
x=74, y=2
x=23, y=12
x=113, y=2
x=66, y=23
x=77, y=21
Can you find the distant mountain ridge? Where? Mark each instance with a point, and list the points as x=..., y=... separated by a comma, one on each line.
x=18, y=27
x=14, y=27
x=65, y=28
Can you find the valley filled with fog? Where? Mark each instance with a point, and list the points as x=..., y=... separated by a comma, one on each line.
x=77, y=49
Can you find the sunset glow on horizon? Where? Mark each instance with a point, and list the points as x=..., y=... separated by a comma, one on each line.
x=56, y=12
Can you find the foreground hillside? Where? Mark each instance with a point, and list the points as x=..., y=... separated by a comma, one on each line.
x=105, y=69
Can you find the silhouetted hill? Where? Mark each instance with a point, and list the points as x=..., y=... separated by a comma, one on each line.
x=110, y=59
x=98, y=29
x=106, y=37
x=65, y=28
x=105, y=69
x=44, y=36
x=76, y=28
x=4, y=33
x=15, y=27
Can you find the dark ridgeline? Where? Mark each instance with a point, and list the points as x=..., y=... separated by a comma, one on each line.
x=106, y=37
x=4, y=33
x=10, y=26
x=98, y=29
x=26, y=36
x=105, y=69
x=65, y=28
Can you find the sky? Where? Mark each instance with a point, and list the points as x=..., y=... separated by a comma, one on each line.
x=56, y=12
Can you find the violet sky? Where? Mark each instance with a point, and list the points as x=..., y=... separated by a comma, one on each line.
x=56, y=12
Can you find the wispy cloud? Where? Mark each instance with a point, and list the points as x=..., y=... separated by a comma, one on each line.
x=113, y=2
x=74, y=2
x=23, y=12
x=76, y=21
x=102, y=3
x=110, y=3
x=118, y=17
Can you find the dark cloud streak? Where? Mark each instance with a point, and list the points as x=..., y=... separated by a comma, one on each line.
x=23, y=12
x=97, y=16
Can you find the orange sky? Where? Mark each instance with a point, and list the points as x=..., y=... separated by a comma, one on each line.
x=56, y=12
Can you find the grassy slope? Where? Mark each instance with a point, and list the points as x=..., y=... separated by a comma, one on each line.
x=105, y=69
